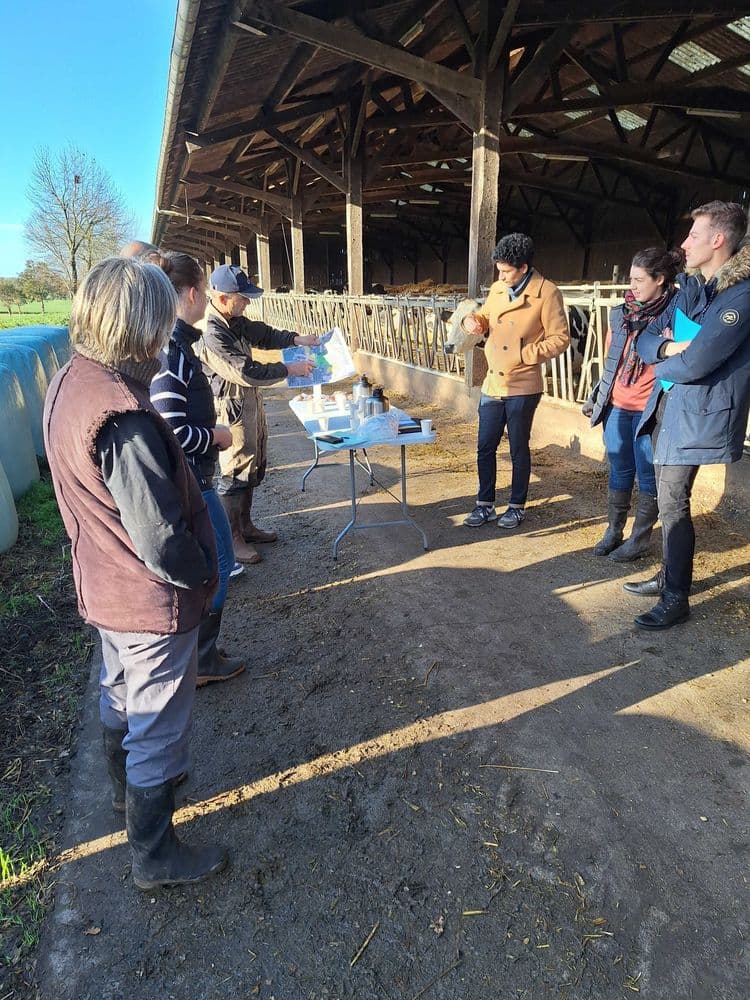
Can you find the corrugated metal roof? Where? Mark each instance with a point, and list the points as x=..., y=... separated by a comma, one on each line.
x=741, y=27
x=693, y=57
x=630, y=120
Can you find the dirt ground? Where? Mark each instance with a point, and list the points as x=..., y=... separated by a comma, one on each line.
x=458, y=774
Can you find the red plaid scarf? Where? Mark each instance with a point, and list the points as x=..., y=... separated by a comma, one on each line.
x=636, y=316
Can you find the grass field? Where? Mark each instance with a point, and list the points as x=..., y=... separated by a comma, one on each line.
x=44, y=669
x=56, y=313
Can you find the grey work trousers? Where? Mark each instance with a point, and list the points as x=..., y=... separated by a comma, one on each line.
x=146, y=690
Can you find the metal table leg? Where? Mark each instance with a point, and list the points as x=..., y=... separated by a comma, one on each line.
x=352, y=522
x=404, y=519
x=314, y=464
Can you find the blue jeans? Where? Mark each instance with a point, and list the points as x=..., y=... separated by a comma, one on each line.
x=517, y=414
x=224, y=547
x=627, y=454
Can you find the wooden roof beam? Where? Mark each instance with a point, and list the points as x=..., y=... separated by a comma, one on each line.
x=308, y=158
x=544, y=14
x=283, y=205
x=536, y=71
x=629, y=94
x=229, y=217
x=246, y=129
x=612, y=151
x=347, y=43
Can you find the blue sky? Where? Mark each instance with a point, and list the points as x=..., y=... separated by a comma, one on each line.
x=93, y=74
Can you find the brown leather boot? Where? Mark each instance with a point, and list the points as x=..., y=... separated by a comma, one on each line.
x=249, y=531
x=234, y=504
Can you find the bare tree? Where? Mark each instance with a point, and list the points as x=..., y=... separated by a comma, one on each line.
x=78, y=216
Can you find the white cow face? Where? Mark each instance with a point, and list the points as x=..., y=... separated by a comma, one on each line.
x=458, y=340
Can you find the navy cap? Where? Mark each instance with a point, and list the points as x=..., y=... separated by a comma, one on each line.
x=228, y=279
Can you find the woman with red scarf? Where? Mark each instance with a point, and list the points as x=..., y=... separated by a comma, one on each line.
x=620, y=396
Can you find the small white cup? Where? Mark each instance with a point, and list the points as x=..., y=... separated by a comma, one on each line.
x=323, y=424
x=426, y=426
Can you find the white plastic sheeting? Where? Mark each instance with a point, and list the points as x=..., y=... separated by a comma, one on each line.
x=17, y=453
x=8, y=516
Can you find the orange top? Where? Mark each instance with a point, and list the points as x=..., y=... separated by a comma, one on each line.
x=633, y=396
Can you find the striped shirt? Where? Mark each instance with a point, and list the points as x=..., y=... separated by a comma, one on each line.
x=182, y=395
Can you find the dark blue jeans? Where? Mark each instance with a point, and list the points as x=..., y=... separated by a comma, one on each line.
x=517, y=414
x=224, y=547
x=628, y=455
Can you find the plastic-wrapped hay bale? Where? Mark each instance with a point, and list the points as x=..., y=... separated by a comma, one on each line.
x=17, y=453
x=25, y=362
x=43, y=347
x=57, y=336
x=8, y=516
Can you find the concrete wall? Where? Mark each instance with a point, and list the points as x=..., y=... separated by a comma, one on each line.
x=725, y=489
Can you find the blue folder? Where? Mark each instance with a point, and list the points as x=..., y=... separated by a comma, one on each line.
x=684, y=328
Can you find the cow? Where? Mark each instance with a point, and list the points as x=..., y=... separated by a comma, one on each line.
x=458, y=340
x=579, y=318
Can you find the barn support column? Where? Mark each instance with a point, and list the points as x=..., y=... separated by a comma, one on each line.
x=354, y=213
x=298, y=249
x=243, y=256
x=263, y=249
x=486, y=155
x=484, y=206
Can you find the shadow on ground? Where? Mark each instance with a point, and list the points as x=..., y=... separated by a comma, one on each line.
x=466, y=760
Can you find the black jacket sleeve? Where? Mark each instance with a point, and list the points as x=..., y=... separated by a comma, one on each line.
x=262, y=335
x=227, y=344
x=138, y=472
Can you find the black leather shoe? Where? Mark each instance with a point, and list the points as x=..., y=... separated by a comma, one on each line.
x=646, y=588
x=671, y=610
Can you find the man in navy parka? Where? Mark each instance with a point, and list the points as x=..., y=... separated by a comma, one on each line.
x=701, y=418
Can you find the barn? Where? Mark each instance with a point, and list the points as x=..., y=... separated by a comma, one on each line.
x=332, y=145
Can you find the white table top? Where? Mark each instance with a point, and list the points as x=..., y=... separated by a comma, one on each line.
x=339, y=426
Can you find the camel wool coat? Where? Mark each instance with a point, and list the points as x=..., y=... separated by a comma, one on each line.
x=521, y=333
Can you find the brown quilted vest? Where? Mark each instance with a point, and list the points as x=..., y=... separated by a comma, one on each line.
x=116, y=590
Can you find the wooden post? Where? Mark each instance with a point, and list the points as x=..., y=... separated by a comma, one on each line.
x=298, y=249
x=227, y=257
x=484, y=206
x=263, y=249
x=485, y=164
x=354, y=213
x=243, y=256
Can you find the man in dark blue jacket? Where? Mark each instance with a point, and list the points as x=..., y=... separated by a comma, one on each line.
x=698, y=410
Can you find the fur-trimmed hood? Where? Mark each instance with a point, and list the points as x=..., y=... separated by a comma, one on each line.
x=736, y=269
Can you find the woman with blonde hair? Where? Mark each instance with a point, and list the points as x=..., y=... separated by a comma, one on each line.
x=143, y=552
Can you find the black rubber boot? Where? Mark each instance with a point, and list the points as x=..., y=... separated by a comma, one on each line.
x=159, y=858
x=213, y=665
x=618, y=505
x=113, y=751
x=646, y=588
x=639, y=543
x=116, y=755
x=672, y=609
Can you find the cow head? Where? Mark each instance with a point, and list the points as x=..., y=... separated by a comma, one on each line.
x=458, y=340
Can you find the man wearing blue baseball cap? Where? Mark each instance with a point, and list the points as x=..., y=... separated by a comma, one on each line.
x=236, y=380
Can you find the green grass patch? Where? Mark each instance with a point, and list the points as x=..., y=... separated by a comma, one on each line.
x=39, y=508
x=43, y=673
x=58, y=317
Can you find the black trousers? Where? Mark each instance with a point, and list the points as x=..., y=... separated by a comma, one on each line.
x=674, y=485
x=516, y=413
